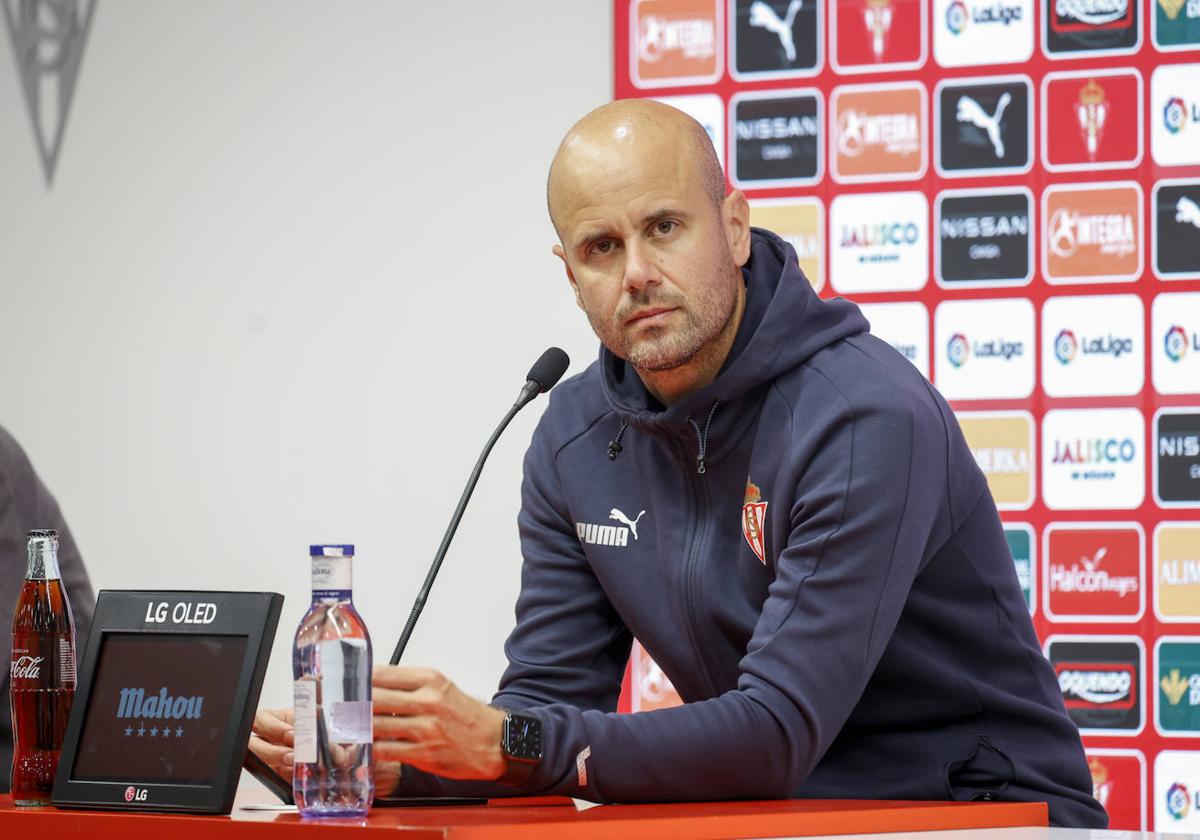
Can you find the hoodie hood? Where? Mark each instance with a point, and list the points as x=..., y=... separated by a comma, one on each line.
x=784, y=323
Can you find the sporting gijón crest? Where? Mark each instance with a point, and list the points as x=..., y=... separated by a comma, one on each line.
x=754, y=520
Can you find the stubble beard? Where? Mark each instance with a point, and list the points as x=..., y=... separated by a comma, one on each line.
x=660, y=349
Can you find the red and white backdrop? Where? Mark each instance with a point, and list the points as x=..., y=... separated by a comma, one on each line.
x=1011, y=190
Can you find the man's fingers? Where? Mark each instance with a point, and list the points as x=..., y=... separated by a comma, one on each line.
x=388, y=728
x=395, y=702
x=278, y=758
x=274, y=725
x=405, y=677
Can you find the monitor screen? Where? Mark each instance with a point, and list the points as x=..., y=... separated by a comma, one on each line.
x=159, y=708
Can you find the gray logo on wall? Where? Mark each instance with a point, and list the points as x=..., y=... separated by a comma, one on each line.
x=47, y=39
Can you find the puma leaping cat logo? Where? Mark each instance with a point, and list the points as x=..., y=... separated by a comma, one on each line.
x=1187, y=211
x=763, y=16
x=624, y=520
x=970, y=111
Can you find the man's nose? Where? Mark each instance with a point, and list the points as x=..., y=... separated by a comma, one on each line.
x=641, y=270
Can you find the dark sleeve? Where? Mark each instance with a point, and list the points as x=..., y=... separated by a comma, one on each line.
x=569, y=647
x=859, y=525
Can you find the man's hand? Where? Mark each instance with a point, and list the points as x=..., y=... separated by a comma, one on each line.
x=272, y=738
x=423, y=719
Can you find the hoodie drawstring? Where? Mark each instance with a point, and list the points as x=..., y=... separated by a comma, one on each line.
x=614, y=445
x=703, y=436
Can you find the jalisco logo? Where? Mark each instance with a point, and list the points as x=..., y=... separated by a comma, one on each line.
x=1071, y=15
x=1094, y=451
x=958, y=16
x=1091, y=685
x=881, y=235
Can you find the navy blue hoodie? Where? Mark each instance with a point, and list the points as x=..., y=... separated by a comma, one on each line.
x=879, y=648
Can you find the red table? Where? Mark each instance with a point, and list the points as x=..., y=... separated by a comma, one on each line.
x=538, y=818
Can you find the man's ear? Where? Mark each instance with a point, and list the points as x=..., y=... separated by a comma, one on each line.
x=562, y=255
x=735, y=213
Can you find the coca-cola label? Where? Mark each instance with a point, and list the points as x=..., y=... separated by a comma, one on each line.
x=26, y=667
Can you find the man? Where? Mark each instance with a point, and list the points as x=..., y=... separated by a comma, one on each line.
x=774, y=502
x=25, y=504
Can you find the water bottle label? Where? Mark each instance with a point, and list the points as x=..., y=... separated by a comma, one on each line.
x=331, y=574
x=350, y=722
x=304, y=723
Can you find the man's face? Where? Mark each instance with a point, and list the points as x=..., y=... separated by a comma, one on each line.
x=648, y=255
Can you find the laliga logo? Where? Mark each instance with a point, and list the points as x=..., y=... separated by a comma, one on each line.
x=1175, y=114
x=878, y=17
x=1092, y=110
x=1175, y=343
x=1065, y=346
x=133, y=794
x=1178, y=801
x=958, y=350
x=957, y=17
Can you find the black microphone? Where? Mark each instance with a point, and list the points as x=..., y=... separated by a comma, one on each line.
x=543, y=376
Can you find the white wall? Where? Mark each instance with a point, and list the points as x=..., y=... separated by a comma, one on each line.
x=291, y=272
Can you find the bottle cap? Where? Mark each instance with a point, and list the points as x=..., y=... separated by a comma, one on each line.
x=343, y=550
x=41, y=533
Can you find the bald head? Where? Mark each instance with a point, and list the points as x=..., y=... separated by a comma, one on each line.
x=631, y=133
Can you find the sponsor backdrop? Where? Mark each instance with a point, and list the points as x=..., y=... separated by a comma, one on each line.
x=1011, y=189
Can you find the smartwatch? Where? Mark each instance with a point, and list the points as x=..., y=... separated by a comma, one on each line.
x=521, y=743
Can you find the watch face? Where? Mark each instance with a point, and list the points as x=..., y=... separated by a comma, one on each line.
x=523, y=737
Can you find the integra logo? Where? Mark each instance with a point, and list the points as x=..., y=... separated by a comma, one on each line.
x=1113, y=234
x=897, y=134
x=1090, y=14
x=693, y=38
x=1098, y=685
x=958, y=15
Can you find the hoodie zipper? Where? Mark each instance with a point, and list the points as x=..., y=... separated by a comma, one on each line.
x=700, y=502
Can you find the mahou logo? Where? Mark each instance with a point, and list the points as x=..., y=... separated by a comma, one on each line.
x=1094, y=573
x=26, y=668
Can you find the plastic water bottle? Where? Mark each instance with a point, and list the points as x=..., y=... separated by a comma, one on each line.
x=331, y=664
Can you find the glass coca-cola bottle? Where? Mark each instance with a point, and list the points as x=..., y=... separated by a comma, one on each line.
x=42, y=675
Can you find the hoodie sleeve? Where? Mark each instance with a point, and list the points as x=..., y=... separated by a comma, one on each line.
x=861, y=517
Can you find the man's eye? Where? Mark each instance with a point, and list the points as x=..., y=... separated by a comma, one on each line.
x=604, y=246
x=665, y=226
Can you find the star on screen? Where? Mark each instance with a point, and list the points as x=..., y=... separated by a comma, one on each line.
x=141, y=730
x=179, y=732
x=128, y=731
x=153, y=731
x=166, y=733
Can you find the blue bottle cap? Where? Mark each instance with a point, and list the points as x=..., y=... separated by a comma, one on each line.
x=343, y=550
